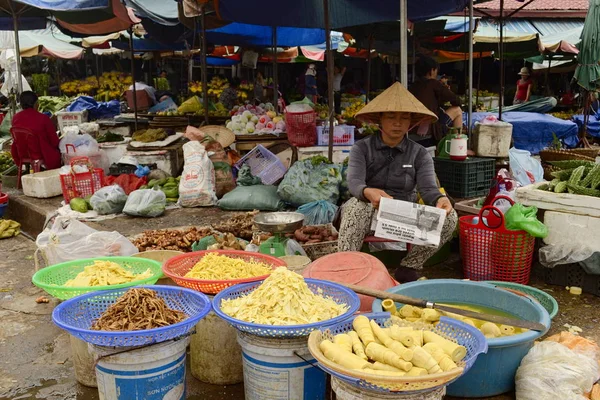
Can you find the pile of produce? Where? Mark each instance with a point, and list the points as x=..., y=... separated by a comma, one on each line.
x=563, y=115
x=111, y=85
x=214, y=87
x=169, y=186
x=486, y=93
x=109, y=137
x=430, y=316
x=249, y=120
x=6, y=161
x=161, y=84
x=9, y=228
x=52, y=104
x=283, y=298
x=355, y=106
x=575, y=177
x=80, y=205
x=149, y=135
x=223, y=242
x=240, y=225
x=314, y=234
x=138, y=309
x=369, y=129
x=40, y=83
x=171, y=239
x=103, y=273
x=394, y=351
x=322, y=111
x=244, y=91
x=214, y=266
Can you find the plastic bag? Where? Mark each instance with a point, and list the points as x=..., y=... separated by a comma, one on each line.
x=109, y=200
x=223, y=178
x=249, y=198
x=306, y=182
x=84, y=145
x=245, y=177
x=68, y=239
x=96, y=109
x=525, y=169
x=566, y=253
x=293, y=248
x=318, y=212
x=519, y=217
x=197, y=185
x=553, y=371
x=146, y=203
x=6, y=124
x=142, y=171
x=127, y=182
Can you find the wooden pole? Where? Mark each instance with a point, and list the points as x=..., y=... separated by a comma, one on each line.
x=479, y=77
x=275, y=74
x=471, y=72
x=501, y=102
x=204, y=69
x=329, y=56
x=135, y=111
x=17, y=53
x=370, y=48
x=403, y=43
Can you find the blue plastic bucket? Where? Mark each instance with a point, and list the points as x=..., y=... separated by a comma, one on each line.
x=493, y=373
x=3, y=209
x=154, y=372
x=280, y=369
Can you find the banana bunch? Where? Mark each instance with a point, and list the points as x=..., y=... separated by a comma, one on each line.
x=9, y=228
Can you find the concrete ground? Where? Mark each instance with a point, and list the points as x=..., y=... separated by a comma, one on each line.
x=35, y=359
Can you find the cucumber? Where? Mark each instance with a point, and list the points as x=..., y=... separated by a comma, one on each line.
x=576, y=176
x=587, y=181
x=552, y=184
x=577, y=189
x=544, y=187
x=561, y=187
x=571, y=164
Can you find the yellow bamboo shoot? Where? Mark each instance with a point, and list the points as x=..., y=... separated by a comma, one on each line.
x=382, y=372
x=454, y=350
x=507, y=330
x=344, y=341
x=430, y=315
x=402, y=336
x=391, y=344
x=443, y=359
x=382, y=354
x=407, y=311
x=362, y=326
x=396, y=319
x=490, y=330
x=338, y=355
x=469, y=321
x=357, y=345
x=416, y=371
x=384, y=367
x=388, y=305
x=423, y=359
x=418, y=337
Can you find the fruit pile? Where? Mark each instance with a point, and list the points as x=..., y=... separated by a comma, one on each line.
x=111, y=85
x=6, y=161
x=349, y=112
x=249, y=120
x=322, y=111
x=169, y=186
x=563, y=115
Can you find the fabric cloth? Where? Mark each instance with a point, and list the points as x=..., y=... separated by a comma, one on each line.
x=337, y=82
x=522, y=89
x=356, y=224
x=310, y=85
x=398, y=170
x=44, y=144
x=434, y=95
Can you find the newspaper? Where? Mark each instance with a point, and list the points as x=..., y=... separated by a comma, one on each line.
x=409, y=222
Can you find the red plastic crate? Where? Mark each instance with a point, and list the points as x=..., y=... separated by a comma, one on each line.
x=301, y=128
x=81, y=184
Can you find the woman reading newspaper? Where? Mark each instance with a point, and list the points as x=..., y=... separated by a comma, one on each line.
x=390, y=165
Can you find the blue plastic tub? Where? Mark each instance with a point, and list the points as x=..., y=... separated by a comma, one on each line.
x=3, y=208
x=493, y=373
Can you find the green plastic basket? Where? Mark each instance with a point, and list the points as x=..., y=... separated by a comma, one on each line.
x=53, y=277
x=547, y=301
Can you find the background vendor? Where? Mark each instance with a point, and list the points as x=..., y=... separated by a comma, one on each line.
x=389, y=165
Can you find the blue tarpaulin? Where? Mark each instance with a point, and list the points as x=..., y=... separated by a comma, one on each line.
x=238, y=34
x=593, y=127
x=65, y=5
x=534, y=132
x=96, y=109
x=160, y=11
x=343, y=13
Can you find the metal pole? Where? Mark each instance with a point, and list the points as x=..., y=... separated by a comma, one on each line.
x=403, y=43
x=414, y=60
x=369, y=69
x=135, y=110
x=479, y=77
x=501, y=100
x=275, y=74
x=471, y=72
x=204, y=69
x=329, y=55
x=17, y=53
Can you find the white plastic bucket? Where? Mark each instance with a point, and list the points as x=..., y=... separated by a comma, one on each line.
x=280, y=369
x=155, y=372
x=296, y=263
x=345, y=391
x=83, y=362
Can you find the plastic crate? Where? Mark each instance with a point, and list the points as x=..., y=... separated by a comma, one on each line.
x=81, y=184
x=343, y=135
x=71, y=118
x=301, y=128
x=464, y=179
x=573, y=275
x=264, y=164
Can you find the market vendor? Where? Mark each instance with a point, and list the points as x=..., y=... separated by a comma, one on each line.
x=310, y=83
x=524, y=85
x=390, y=165
x=44, y=143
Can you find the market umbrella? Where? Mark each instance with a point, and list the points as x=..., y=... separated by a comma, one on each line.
x=587, y=72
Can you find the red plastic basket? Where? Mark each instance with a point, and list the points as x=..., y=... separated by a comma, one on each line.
x=491, y=252
x=81, y=184
x=176, y=268
x=301, y=128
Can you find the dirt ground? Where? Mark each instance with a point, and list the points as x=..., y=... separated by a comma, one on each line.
x=35, y=359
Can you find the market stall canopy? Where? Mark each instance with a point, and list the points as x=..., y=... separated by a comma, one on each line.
x=343, y=13
x=317, y=52
x=147, y=45
x=160, y=11
x=65, y=5
x=114, y=18
x=35, y=43
x=28, y=17
x=587, y=73
x=262, y=36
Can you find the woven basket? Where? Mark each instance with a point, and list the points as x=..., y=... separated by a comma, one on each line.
x=548, y=169
x=593, y=153
x=220, y=134
x=561, y=155
x=318, y=250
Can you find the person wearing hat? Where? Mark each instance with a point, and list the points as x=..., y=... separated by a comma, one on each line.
x=523, y=87
x=310, y=83
x=390, y=165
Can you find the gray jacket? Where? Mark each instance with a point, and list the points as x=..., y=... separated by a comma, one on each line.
x=398, y=171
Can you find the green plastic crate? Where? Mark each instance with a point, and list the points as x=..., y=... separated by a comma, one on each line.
x=464, y=179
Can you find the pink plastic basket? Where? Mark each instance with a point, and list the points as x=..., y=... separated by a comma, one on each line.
x=301, y=128
x=264, y=164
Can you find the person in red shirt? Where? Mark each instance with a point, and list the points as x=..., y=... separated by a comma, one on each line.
x=523, y=87
x=45, y=147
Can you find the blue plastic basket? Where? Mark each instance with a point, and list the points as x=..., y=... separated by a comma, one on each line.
x=338, y=293
x=77, y=315
x=3, y=208
x=451, y=329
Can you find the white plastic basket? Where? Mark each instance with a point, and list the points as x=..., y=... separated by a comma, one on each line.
x=71, y=118
x=343, y=135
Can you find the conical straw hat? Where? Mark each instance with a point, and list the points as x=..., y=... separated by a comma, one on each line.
x=396, y=99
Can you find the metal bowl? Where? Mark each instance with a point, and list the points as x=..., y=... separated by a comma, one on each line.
x=279, y=222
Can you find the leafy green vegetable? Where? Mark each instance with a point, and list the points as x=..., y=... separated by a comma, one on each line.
x=318, y=160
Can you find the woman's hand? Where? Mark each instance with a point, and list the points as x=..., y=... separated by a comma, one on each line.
x=374, y=196
x=444, y=204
